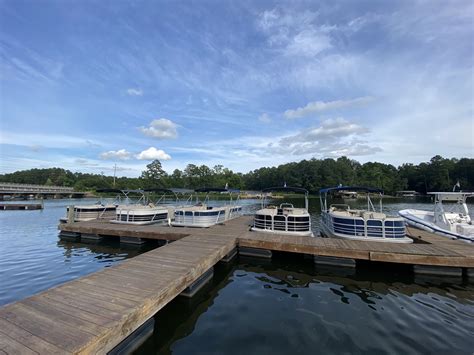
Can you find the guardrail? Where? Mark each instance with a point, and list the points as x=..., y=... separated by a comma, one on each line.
x=25, y=188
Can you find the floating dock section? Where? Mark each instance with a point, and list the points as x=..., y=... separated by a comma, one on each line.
x=95, y=313
x=20, y=206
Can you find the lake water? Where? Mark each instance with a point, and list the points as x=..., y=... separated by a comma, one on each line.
x=257, y=307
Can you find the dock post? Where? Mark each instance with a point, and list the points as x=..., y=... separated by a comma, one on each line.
x=70, y=214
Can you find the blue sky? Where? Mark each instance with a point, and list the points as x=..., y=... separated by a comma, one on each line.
x=89, y=84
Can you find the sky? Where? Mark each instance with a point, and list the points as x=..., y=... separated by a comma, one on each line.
x=85, y=85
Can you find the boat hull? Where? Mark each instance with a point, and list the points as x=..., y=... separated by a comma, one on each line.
x=326, y=232
x=141, y=216
x=424, y=220
x=372, y=229
x=204, y=218
x=270, y=231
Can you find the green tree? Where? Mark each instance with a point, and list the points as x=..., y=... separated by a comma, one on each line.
x=154, y=175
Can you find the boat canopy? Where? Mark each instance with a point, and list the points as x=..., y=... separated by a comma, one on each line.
x=158, y=189
x=286, y=189
x=452, y=196
x=179, y=190
x=350, y=188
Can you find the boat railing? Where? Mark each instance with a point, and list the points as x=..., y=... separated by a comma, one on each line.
x=359, y=227
x=282, y=223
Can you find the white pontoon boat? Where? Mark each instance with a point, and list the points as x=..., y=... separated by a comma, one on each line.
x=449, y=219
x=285, y=218
x=340, y=221
x=142, y=211
x=98, y=210
x=202, y=215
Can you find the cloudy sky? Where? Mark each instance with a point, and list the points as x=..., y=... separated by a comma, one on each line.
x=89, y=84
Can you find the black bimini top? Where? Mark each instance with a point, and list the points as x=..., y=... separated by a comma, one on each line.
x=158, y=189
x=350, y=188
x=285, y=189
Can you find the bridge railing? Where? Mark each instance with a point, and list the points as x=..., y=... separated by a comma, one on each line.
x=24, y=188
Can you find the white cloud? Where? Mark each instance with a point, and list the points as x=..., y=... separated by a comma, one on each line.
x=121, y=154
x=308, y=43
x=265, y=118
x=161, y=128
x=334, y=137
x=321, y=106
x=329, y=129
x=135, y=92
x=152, y=153
x=294, y=34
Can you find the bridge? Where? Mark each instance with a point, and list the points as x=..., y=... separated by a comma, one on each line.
x=37, y=191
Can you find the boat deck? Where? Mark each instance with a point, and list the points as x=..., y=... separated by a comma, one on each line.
x=96, y=312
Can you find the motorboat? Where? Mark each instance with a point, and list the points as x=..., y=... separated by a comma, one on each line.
x=450, y=217
x=143, y=211
x=283, y=219
x=341, y=221
x=203, y=215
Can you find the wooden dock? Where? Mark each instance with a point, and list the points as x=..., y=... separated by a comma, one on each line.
x=95, y=313
x=20, y=206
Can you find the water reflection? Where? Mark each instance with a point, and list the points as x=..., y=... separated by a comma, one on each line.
x=292, y=306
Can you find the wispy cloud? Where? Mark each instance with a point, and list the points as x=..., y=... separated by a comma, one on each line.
x=161, y=128
x=120, y=154
x=135, y=92
x=152, y=153
x=265, y=118
x=321, y=106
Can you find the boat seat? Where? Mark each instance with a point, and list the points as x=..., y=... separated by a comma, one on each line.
x=339, y=213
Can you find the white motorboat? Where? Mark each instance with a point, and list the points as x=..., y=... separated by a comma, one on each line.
x=450, y=219
x=285, y=218
x=341, y=221
x=202, y=215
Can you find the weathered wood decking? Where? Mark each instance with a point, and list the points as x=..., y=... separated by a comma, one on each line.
x=95, y=313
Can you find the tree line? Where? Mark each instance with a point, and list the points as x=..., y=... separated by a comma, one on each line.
x=439, y=174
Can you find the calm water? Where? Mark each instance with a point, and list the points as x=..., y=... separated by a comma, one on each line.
x=284, y=306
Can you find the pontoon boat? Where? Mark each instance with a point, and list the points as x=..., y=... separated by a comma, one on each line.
x=99, y=210
x=202, y=215
x=341, y=221
x=285, y=218
x=450, y=220
x=142, y=211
